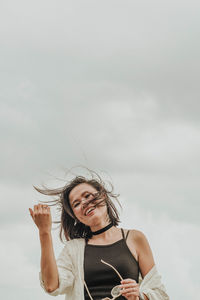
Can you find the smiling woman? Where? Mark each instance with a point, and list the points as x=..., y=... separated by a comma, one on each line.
x=76, y=194
x=99, y=259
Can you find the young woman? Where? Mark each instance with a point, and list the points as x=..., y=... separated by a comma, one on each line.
x=99, y=260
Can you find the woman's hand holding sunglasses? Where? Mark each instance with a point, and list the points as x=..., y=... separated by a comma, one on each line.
x=130, y=289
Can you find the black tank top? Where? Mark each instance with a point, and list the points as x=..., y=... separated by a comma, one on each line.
x=100, y=278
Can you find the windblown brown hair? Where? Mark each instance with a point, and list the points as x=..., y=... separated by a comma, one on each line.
x=69, y=225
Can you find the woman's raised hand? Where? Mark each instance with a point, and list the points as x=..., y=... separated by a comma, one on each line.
x=41, y=216
x=130, y=289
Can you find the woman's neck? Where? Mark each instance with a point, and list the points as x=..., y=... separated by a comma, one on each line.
x=99, y=225
x=107, y=236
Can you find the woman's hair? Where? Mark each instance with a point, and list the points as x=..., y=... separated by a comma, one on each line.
x=69, y=225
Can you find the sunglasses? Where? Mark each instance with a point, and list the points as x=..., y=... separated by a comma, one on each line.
x=116, y=290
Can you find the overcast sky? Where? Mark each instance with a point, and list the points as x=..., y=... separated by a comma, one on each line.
x=114, y=86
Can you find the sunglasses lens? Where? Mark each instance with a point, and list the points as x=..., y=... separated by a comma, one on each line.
x=116, y=291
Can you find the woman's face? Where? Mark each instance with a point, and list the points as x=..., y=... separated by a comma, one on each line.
x=86, y=212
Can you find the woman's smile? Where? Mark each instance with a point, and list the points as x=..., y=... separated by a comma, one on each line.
x=89, y=211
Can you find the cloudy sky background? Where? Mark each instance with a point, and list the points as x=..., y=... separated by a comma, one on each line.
x=114, y=86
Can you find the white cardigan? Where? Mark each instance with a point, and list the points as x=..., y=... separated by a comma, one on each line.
x=70, y=264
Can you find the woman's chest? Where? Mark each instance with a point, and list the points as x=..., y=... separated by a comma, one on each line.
x=106, y=266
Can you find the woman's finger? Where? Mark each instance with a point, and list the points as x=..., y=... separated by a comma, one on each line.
x=35, y=209
x=31, y=212
x=127, y=285
x=128, y=280
x=45, y=208
x=130, y=290
x=130, y=296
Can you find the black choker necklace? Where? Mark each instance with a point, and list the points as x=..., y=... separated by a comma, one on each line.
x=102, y=229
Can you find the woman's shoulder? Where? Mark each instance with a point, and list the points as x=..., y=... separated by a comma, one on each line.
x=72, y=251
x=135, y=234
x=74, y=242
x=73, y=247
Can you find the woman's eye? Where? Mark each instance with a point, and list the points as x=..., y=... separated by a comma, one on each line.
x=76, y=204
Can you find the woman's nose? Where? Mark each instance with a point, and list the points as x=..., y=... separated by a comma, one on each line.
x=85, y=202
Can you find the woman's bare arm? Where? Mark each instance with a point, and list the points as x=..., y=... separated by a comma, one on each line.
x=145, y=255
x=41, y=216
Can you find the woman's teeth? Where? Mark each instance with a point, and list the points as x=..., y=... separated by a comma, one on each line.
x=89, y=210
